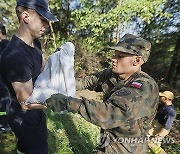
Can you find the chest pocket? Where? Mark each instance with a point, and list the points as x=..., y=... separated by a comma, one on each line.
x=110, y=86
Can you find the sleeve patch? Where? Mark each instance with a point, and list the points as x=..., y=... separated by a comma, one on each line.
x=122, y=92
x=136, y=85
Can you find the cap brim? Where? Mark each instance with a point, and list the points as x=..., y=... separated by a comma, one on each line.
x=47, y=15
x=161, y=94
x=121, y=49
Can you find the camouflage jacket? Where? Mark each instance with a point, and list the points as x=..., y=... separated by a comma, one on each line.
x=127, y=110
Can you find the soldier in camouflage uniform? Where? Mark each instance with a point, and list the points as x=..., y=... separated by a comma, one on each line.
x=129, y=103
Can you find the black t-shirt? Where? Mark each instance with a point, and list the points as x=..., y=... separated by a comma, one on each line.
x=20, y=63
x=3, y=44
x=166, y=115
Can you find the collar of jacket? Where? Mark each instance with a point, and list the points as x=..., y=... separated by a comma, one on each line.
x=115, y=80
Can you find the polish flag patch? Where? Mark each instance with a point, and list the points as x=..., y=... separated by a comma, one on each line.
x=136, y=85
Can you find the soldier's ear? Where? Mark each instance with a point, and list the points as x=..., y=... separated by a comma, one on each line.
x=137, y=60
x=25, y=17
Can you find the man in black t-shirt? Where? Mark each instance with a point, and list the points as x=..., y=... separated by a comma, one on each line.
x=21, y=63
x=163, y=121
x=166, y=112
x=4, y=93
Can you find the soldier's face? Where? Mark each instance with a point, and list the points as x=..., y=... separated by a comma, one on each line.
x=122, y=63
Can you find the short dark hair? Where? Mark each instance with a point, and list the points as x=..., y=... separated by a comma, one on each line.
x=3, y=29
x=19, y=10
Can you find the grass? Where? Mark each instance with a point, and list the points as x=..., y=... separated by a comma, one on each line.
x=67, y=134
x=7, y=143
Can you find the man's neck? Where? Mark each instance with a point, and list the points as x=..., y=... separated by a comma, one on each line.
x=25, y=36
x=128, y=75
x=168, y=103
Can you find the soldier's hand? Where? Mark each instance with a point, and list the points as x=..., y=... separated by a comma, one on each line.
x=32, y=106
x=36, y=106
x=58, y=102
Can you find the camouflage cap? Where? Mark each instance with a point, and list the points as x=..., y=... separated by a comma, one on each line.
x=134, y=45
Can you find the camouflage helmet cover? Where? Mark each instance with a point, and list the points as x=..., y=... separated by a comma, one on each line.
x=134, y=45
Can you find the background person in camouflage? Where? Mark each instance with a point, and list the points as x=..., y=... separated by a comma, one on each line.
x=129, y=103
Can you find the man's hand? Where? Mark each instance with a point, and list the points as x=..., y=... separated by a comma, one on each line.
x=32, y=106
x=163, y=132
x=58, y=102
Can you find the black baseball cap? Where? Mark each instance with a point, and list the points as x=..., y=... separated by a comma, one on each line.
x=40, y=6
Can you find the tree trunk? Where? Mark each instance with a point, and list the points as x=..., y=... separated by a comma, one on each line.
x=118, y=31
x=68, y=18
x=173, y=70
x=53, y=35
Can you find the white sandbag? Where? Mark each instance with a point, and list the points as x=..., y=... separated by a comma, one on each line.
x=57, y=76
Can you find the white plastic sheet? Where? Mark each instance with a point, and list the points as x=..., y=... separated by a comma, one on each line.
x=57, y=76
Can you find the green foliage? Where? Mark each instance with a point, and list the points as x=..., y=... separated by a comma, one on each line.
x=8, y=15
x=164, y=32
x=7, y=143
x=97, y=20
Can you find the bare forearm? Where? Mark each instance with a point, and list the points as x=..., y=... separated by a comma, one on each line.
x=23, y=92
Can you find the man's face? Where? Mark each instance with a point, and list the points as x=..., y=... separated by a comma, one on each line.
x=37, y=25
x=122, y=63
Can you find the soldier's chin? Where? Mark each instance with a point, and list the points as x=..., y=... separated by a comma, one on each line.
x=114, y=70
x=42, y=33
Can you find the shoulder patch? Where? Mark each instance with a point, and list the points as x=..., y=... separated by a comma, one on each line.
x=122, y=92
x=136, y=84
